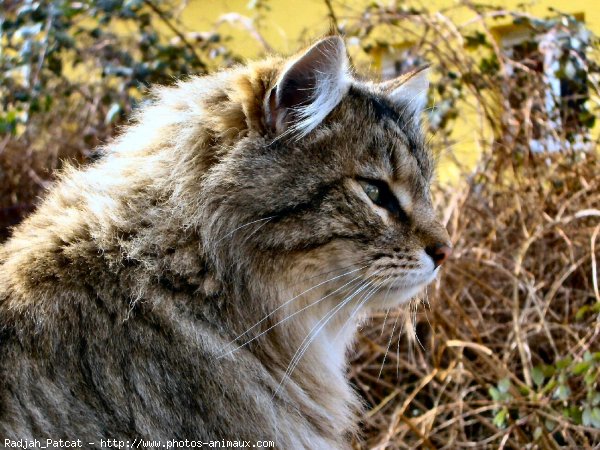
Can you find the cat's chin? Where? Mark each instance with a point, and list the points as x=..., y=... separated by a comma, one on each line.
x=400, y=292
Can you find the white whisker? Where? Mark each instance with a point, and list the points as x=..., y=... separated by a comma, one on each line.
x=398, y=345
x=368, y=295
x=387, y=312
x=414, y=323
x=387, y=349
x=243, y=226
x=291, y=315
x=318, y=327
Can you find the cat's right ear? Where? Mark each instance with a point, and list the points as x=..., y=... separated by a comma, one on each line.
x=309, y=87
x=409, y=91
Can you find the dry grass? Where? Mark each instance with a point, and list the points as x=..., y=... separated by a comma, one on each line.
x=520, y=295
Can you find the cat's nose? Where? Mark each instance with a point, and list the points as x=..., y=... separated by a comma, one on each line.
x=439, y=253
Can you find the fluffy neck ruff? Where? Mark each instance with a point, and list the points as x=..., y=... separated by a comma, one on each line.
x=301, y=333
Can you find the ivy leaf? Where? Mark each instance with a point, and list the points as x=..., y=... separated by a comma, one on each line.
x=494, y=393
x=537, y=374
x=595, y=417
x=564, y=363
x=562, y=392
x=504, y=385
x=581, y=368
x=500, y=418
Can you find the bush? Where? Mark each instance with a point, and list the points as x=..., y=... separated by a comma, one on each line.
x=70, y=73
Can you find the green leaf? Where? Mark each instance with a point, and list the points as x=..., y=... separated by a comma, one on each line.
x=548, y=370
x=573, y=413
x=8, y=123
x=564, y=363
x=500, y=418
x=581, y=368
x=562, y=392
x=582, y=312
x=586, y=417
x=537, y=374
x=590, y=378
x=504, y=385
x=596, y=417
x=494, y=393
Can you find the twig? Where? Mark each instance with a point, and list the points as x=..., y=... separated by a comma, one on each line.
x=594, y=269
x=332, y=16
x=174, y=29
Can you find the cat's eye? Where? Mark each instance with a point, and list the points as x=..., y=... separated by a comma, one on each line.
x=380, y=194
x=372, y=191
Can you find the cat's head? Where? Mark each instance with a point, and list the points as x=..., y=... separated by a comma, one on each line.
x=335, y=182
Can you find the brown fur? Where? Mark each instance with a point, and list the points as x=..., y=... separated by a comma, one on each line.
x=121, y=296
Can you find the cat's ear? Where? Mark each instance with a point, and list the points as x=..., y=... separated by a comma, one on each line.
x=309, y=87
x=409, y=91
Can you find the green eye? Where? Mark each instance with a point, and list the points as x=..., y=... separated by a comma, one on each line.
x=372, y=191
x=380, y=194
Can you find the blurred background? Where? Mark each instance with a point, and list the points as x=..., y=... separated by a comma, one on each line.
x=504, y=351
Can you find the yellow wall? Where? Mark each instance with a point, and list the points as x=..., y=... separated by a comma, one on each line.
x=291, y=23
x=285, y=24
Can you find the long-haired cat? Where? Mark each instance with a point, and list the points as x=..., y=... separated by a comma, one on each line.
x=204, y=278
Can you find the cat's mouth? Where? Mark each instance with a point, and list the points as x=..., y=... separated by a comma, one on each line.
x=402, y=289
x=411, y=280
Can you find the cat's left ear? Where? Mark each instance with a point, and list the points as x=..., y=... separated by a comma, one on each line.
x=409, y=91
x=308, y=88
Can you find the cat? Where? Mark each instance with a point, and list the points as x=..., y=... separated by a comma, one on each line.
x=204, y=278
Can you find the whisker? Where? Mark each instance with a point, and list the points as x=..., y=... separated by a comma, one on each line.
x=361, y=261
x=319, y=326
x=387, y=312
x=308, y=340
x=359, y=302
x=425, y=301
x=243, y=226
x=369, y=294
x=387, y=349
x=291, y=315
x=414, y=324
x=291, y=300
x=398, y=345
x=257, y=229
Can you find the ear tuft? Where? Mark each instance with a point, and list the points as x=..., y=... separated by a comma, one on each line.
x=309, y=87
x=410, y=90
